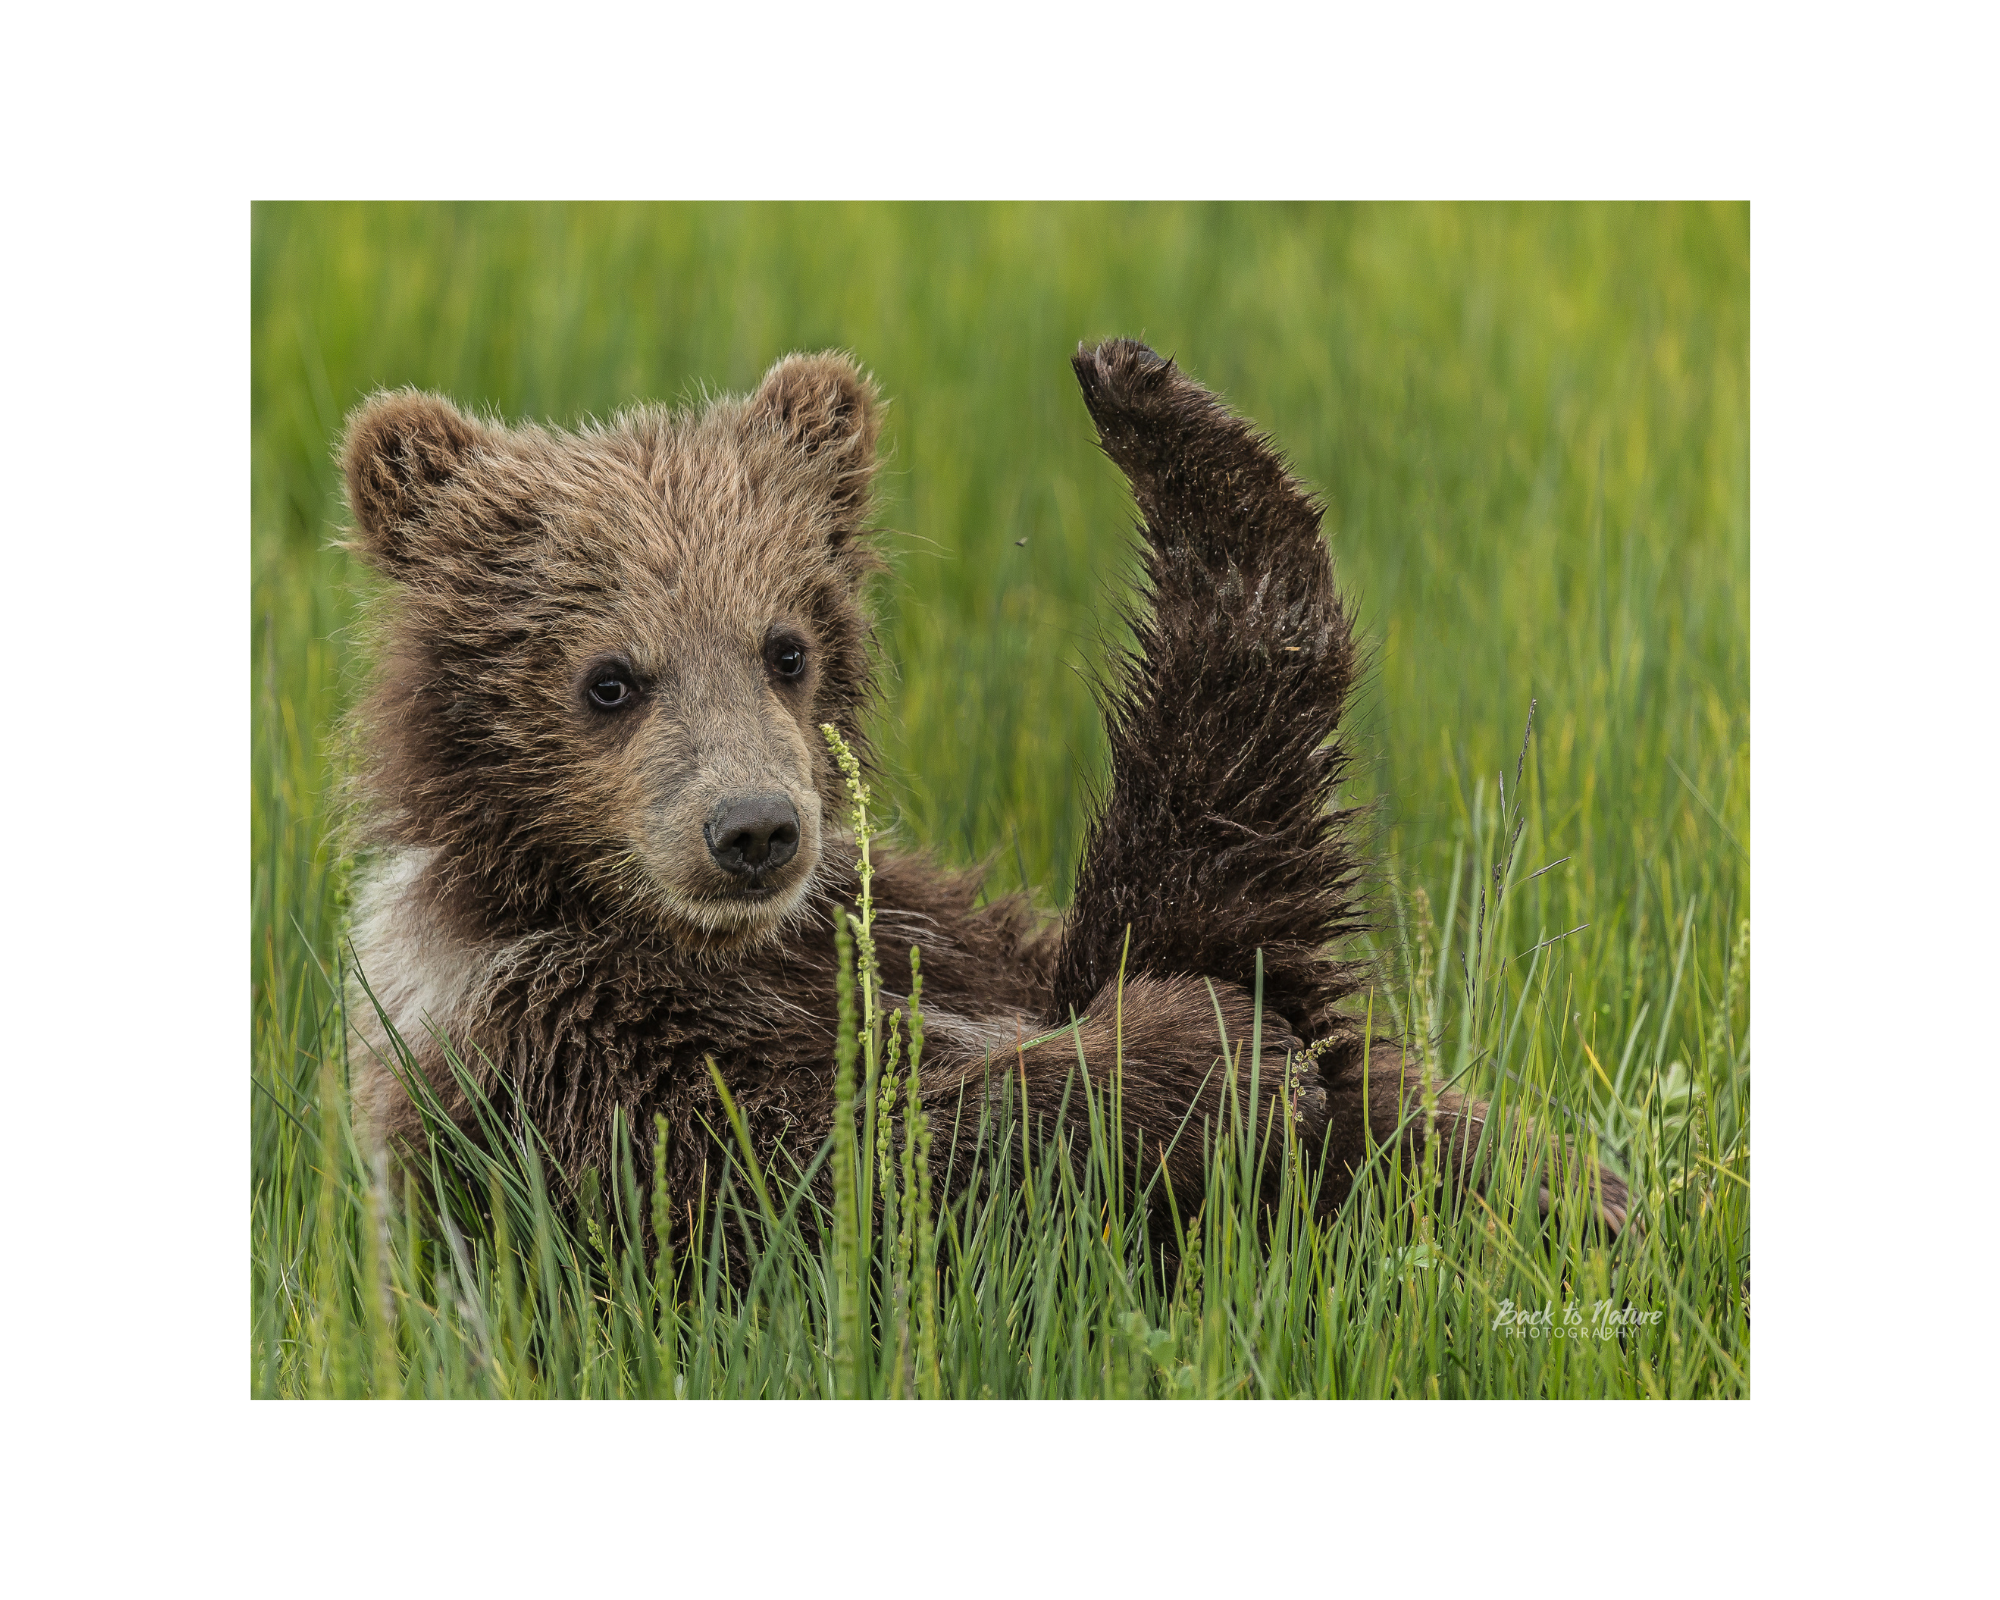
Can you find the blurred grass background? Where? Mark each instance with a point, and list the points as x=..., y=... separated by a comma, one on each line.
x=1531, y=424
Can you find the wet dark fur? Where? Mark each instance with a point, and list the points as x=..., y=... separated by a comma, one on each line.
x=1218, y=837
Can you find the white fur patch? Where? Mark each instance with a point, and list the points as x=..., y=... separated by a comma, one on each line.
x=423, y=976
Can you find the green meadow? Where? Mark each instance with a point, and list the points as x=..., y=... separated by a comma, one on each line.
x=1531, y=427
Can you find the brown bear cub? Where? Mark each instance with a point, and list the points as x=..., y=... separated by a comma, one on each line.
x=606, y=834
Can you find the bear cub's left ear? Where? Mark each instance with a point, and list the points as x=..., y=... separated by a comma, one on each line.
x=829, y=406
x=402, y=448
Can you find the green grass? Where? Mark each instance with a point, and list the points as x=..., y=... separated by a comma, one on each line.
x=1532, y=426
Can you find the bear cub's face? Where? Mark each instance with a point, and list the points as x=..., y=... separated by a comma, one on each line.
x=604, y=682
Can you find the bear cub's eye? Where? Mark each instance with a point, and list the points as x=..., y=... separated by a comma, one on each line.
x=610, y=692
x=609, y=686
x=787, y=657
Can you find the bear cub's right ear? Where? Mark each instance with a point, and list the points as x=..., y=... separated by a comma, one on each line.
x=401, y=449
x=827, y=407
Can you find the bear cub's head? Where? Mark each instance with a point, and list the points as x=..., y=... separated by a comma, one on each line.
x=601, y=685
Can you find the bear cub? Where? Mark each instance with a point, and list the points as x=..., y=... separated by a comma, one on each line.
x=605, y=837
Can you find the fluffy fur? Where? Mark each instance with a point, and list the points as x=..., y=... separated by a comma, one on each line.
x=546, y=888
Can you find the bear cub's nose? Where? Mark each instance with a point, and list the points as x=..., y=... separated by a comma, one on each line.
x=754, y=834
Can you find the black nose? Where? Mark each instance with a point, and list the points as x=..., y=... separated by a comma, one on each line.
x=755, y=834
